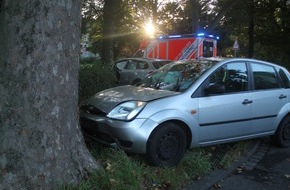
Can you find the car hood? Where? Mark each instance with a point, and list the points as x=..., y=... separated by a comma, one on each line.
x=106, y=100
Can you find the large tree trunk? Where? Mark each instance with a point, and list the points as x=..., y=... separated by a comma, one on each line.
x=41, y=145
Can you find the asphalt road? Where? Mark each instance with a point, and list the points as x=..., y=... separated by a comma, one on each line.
x=265, y=167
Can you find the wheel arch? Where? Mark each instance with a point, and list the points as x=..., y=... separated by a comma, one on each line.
x=282, y=115
x=182, y=125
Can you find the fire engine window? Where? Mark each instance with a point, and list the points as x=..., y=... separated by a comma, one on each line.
x=207, y=49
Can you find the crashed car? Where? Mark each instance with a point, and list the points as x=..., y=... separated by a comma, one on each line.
x=192, y=103
x=130, y=71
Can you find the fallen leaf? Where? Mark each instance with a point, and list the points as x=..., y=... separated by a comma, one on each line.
x=287, y=176
x=109, y=167
x=217, y=186
x=112, y=181
x=239, y=170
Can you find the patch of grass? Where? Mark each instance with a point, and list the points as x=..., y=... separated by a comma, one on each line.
x=123, y=171
x=236, y=151
x=131, y=172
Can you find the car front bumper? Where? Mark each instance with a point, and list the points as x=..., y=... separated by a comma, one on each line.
x=131, y=136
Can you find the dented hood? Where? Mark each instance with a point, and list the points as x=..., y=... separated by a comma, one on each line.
x=106, y=100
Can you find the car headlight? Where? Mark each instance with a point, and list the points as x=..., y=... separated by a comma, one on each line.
x=127, y=110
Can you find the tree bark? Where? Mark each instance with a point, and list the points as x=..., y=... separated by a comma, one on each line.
x=41, y=145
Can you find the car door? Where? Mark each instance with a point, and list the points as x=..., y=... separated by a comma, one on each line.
x=269, y=97
x=119, y=68
x=129, y=73
x=225, y=110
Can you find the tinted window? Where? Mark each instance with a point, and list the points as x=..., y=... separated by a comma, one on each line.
x=284, y=78
x=120, y=65
x=143, y=65
x=131, y=65
x=232, y=76
x=265, y=77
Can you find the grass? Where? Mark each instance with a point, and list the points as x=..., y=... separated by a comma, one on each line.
x=236, y=151
x=131, y=172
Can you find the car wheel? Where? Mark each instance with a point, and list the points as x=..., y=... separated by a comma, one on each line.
x=282, y=135
x=166, y=145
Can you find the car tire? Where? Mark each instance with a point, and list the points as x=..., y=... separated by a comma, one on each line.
x=166, y=145
x=282, y=135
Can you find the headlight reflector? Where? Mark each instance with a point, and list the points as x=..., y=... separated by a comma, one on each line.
x=127, y=110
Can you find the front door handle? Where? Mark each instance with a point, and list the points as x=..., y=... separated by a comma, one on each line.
x=282, y=96
x=246, y=101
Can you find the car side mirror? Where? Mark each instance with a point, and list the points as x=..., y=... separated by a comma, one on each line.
x=215, y=89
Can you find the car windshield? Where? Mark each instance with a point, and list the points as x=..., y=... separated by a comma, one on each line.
x=176, y=76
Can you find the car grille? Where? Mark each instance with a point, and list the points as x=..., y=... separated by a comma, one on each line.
x=93, y=110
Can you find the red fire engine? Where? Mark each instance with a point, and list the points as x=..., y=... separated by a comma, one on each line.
x=178, y=47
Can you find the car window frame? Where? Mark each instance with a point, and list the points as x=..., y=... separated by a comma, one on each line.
x=200, y=92
x=267, y=65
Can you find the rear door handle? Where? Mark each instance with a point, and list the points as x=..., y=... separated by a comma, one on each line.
x=246, y=101
x=282, y=96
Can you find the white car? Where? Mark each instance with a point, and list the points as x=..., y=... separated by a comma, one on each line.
x=189, y=104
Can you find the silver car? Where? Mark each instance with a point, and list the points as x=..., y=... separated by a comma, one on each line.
x=133, y=70
x=190, y=104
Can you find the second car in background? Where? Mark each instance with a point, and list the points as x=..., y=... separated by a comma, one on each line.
x=132, y=70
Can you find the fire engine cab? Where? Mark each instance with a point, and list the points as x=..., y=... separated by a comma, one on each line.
x=178, y=47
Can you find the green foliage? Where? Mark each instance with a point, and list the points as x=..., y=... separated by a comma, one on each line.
x=94, y=77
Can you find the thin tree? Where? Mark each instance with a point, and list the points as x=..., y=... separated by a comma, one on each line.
x=251, y=14
x=108, y=32
x=41, y=146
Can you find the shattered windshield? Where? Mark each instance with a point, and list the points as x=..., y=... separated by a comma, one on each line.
x=176, y=76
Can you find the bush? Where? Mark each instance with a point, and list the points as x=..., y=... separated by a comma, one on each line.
x=94, y=77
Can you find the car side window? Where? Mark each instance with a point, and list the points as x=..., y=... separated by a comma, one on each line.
x=121, y=64
x=284, y=78
x=131, y=65
x=233, y=77
x=265, y=77
x=143, y=65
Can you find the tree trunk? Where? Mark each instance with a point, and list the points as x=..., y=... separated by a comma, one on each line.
x=41, y=145
x=108, y=32
x=195, y=15
x=251, y=14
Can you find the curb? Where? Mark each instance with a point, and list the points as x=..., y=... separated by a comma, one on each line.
x=219, y=174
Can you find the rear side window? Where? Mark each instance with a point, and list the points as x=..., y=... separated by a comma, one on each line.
x=143, y=65
x=265, y=77
x=284, y=78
